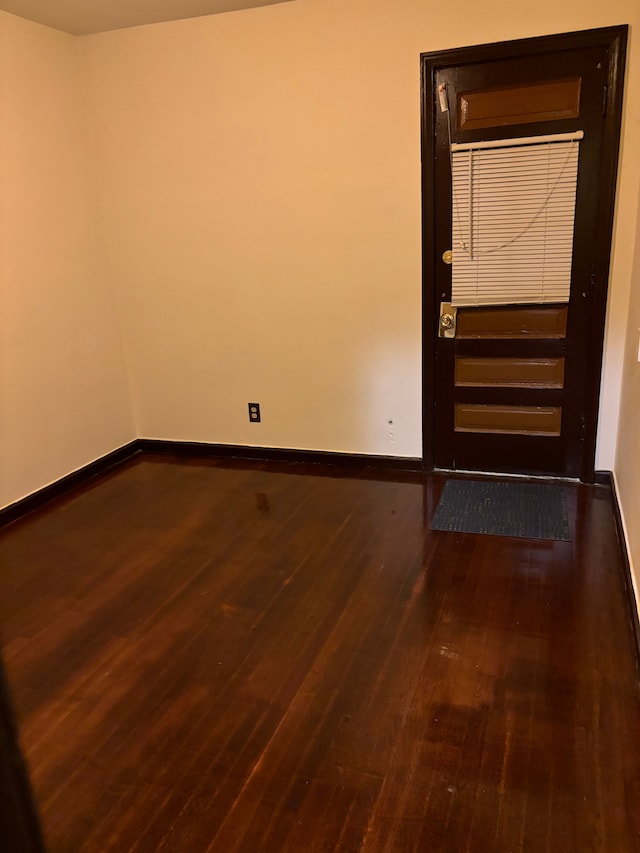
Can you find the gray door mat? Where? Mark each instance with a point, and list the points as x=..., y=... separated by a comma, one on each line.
x=503, y=508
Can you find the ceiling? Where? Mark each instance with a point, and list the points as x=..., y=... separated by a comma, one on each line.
x=81, y=17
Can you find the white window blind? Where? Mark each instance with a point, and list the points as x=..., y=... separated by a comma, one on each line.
x=513, y=220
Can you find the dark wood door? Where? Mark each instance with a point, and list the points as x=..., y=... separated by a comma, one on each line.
x=514, y=388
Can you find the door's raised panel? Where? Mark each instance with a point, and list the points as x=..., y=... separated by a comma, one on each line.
x=520, y=420
x=518, y=322
x=509, y=372
x=548, y=101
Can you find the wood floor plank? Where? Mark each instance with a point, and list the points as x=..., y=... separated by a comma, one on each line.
x=234, y=657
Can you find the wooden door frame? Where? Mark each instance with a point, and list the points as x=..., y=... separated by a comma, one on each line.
x=613, y=39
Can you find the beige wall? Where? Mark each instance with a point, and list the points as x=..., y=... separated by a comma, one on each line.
x=262, y=202
x=261, y=186
x=64, y=396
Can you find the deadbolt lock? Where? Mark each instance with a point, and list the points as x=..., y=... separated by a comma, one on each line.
x=447, y=325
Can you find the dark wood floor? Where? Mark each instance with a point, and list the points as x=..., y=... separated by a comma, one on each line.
x=266, y=658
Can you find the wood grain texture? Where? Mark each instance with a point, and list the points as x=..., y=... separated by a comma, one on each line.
x=228, y=656
x=19, y=821
x=510, y=105
x=523, y=420
x=506, y=372
x=539, y=322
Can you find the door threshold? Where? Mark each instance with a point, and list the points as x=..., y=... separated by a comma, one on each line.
x=464, y=472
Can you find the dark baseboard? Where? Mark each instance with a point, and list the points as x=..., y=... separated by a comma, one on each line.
x=195, y=449
x=603, y=478
x=626, y=565
x=277, y=454
x=37, y=499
